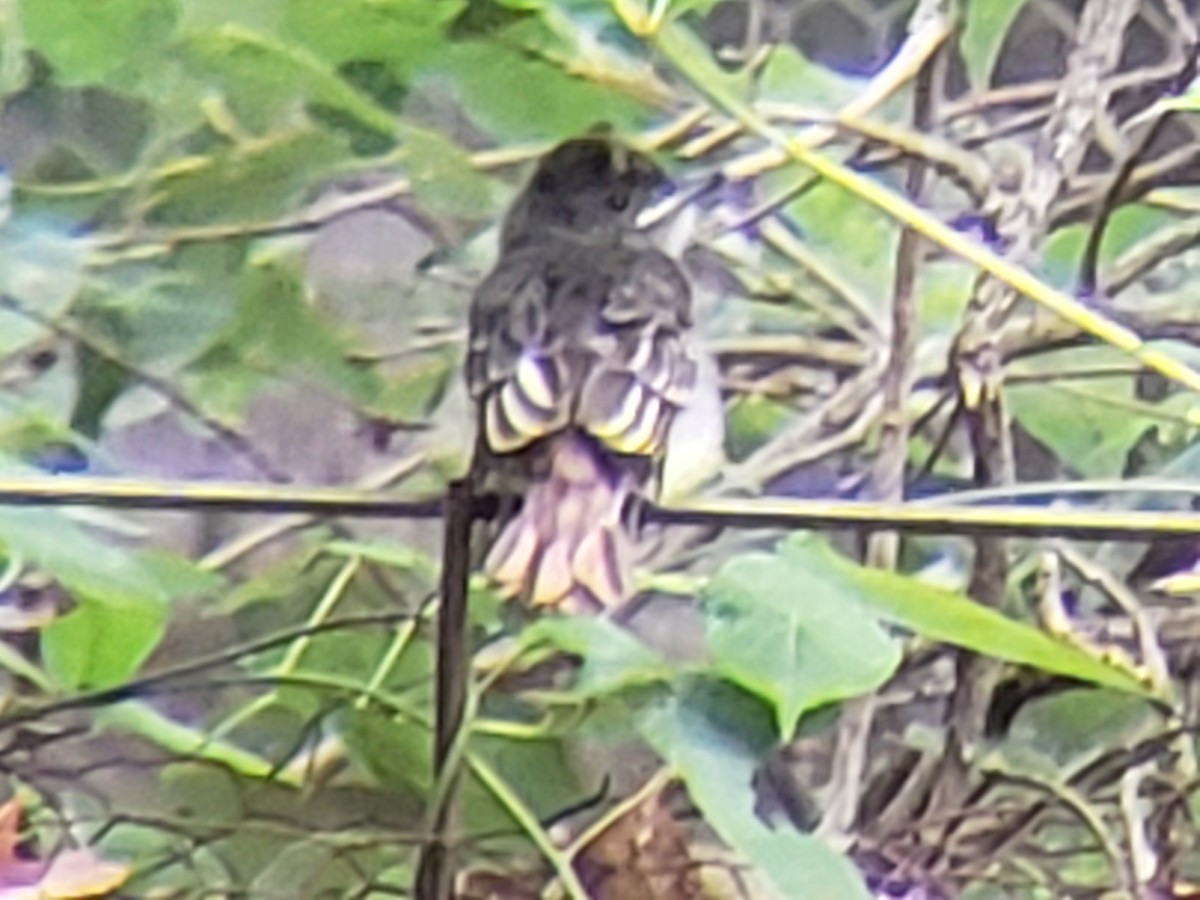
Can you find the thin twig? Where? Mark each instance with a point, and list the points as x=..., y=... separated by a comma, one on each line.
x=1153, y=657
x=887, y=475
x=1088, y=282
x=149, y=683
x=316, y=216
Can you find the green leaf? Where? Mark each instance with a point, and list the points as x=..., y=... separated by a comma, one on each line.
x=352, y=657
x=414, y=387
x=177, y=577
x=122, y=597
x=945, y=289
x=298, y=579
x=86, y=41
x=579, y=48
x=263, y=15
x=613, y=659
x=789, y=77
x=397, y=754
x=537, y=767
x=781, y=632
x=986, y=26
x=753, y=420
x=716, y=738
x=301, y=871
x=164, y=323
x=1129, y=225
x=1061, y=256
x=208, y=792
x=1092, y=424
x=443, y=177
x=522, y=23
x=1056, y=735
x=404, y=34
x=101, y=644
x=248, y=183
x=50, y=540
x=498, y=87
x=856, y=238
x=42, y=270
x=1085, y=427
x=276, y=331
x=945, y=616
x=263, y=76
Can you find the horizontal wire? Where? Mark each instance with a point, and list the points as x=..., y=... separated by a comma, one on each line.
x=121, y=493
x=945, y=518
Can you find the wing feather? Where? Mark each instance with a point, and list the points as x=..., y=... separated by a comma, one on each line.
x=581, y=336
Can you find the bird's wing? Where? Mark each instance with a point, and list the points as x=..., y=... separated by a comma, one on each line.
x=514, y=369
x=585, y=336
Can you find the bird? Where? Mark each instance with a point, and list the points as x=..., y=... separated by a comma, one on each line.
x=578, y=362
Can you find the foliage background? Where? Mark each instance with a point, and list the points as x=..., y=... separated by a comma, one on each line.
x=238, y=241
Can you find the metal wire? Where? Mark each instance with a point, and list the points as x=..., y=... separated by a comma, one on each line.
x=944, y=518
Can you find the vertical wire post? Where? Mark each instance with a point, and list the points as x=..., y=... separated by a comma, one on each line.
x=435, y=869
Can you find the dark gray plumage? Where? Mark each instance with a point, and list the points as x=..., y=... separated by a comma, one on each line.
x=577, y=364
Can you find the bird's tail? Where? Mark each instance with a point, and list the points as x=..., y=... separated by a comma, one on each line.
x=568, y=546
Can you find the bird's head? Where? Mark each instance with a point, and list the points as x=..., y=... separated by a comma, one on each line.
x=591, y=186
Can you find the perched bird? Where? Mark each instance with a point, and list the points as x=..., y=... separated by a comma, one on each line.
x=577, y=363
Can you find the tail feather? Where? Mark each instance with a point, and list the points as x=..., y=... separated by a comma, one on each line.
x=602, y=565
x=568, y=547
